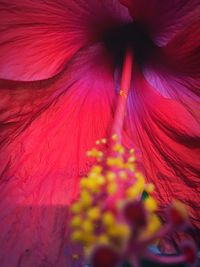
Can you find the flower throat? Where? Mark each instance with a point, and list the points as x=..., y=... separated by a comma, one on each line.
x=131, y=35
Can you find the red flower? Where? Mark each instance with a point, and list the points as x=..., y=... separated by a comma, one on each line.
x=59, y=73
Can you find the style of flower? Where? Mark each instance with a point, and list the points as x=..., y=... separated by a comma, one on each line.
x=60, y=70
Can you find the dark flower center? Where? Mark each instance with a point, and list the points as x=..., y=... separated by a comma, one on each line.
x=131, y=35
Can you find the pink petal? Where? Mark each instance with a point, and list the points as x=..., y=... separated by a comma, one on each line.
x=163, y=19
x=38, y=38
x=46, y=129
x=169, y=137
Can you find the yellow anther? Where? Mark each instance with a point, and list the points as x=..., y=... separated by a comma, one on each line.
x=86, y=199
x=129, y=166
x=122, y=93
x=100, y=154
x=140, y=184
x=103, y=239
x=110, y=176
x=155, y=223
x=119, y=230
x=103, y=141
x=92, y=185
x=132, y=192
x=76, y=208
x=84, y=183
x=96, y=169
x=87, y=226
x=118, y=148
x=139, y=176
x=89, y=153
x=114, y=137
x=150, y=204
x=100, y=180
x=123, y=230
x=153, y=226
x=94, y=153
x=76, y=221
x=132, y=151
x=117, y=162
x=123, y=175
x=110, y=161
x=149, y=188
x=97, y=142
x=92, y=175
x=77, y=236
x=112, y=188
x=108, y=218
x=94, y=213
x=88, y=239
x=131, y=159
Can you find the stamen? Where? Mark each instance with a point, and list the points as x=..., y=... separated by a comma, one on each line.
x=123, y=94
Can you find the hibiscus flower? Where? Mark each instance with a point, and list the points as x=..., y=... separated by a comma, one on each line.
x=60, y=65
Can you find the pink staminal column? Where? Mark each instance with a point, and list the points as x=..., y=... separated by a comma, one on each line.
x=123, y=94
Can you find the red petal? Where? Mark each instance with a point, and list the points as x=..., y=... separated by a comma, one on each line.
x=38, y=38
x=176, y=218
x=183, y=53
x=164, y=18
x=169, y=137
x=177, y=75
x=46, y=130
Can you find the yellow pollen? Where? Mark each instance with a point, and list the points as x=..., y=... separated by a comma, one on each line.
x=86, y=199
x=150, y=204
x=112, y=188
x=94, y=213
x=149, y=188
x=77, y=236
x=132, y=192
x=97, y=142
x=132, y=151
x=110, y=176
x=122, y=93
x=119, y=230
x=103, y=141
x=76, y=221
x=87, y=226
x=129, y=166
x=96, y=169
x=94, y=153
x=119, y=148
x=114, y=137
x=131, y=159
x=103, y=239
x=76, y=208
x=108, y=219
